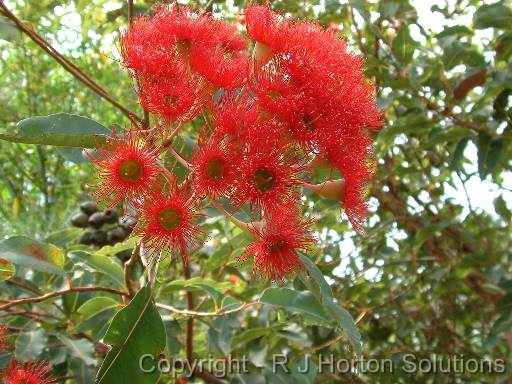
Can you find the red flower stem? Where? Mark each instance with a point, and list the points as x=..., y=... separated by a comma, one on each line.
x=180, y=158
x=168, y=141
x=246, y=227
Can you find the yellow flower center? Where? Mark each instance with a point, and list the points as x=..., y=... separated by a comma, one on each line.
x=264, y=180
x=215, y=169
x=169, y=218
x=130, y=170
x=170, y=101
x=276, y=246
x=275, y=94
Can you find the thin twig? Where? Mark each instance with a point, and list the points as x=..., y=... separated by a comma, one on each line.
x=65, y=63
x=187, y=312
x=38, y=299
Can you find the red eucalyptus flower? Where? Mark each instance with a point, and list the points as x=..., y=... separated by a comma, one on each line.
x=168, y=220
x=185, y=25
x=276, y=92
x=268, y=175
x=30, y=372
x=220, y=65
x=215, y=165
x=303, y=94
x=234, y=114
x=128, y=168
x=175, y=97
x=266, y=26
x=146, y=50
x=318, y=88
x=276, y=250
x=224, y=59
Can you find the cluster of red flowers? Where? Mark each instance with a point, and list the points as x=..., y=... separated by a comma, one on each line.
x=267, y=119
x=29, y=372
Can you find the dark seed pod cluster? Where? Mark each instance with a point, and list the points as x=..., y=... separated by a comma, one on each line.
x=102, y=227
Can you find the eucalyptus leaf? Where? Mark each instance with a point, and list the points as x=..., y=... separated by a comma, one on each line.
x=136, y=330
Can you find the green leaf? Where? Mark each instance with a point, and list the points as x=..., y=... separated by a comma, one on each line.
x=494, y=154
x=74, y=155
x=323, y=293
x=497, y=15
x=215, y=289
x=456, y=53
x=32, y=254
x=96, y=313
x=102, y=264
x=81, y=349
x=317, y=275
x=111, y=250
x=458, y=154
x=30, y=345
x=299, y=301
x=197, y=283
x=97, y=304
x=388, y=9
x=347, y=324
x=135, y=330
x=229, y=302
x=500, y=206
x=253, y=334
x=82, y=373
x=61, y=129
x=483, y=144
x=449, y=134
x=454, y=30
x=403, y=45
x=427, y=232
x=72, y=301
x=7, y=270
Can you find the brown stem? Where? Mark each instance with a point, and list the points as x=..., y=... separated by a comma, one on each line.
x=190, y=321
x=50, y=295
x=128, y=267
x=65, y=63
x=130, y=11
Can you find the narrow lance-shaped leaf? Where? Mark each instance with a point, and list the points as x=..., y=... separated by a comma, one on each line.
x=61, y=129
x=135, y=331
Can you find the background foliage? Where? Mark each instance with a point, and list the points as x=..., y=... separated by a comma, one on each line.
x=432, y=275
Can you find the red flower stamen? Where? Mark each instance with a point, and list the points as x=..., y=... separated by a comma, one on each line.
x=30, y=372
x=215, y=164
x=128, y=168
x=276, y=250
x=168, y=221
